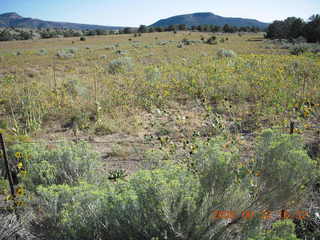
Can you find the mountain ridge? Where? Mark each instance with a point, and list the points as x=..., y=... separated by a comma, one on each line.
x=12, y=19
x=203, y=18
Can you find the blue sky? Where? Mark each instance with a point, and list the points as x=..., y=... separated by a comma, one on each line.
x=136, y=12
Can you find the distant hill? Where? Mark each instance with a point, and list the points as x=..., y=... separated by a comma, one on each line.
x=15, y=20
x=196, y=19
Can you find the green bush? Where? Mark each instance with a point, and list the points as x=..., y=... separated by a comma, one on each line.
x=110, y=47
x=42, y=52
x=153, y=74
x=212, y=40
x=176, y=200
x=281, y=160
x=281, y=230
x=10, y=227
x=62, y=163
x=74, y=88
x=18, y=53
x=226, y=53
x=117, y=174
x=163, y=43
x=299, y=49
x=189, y=42
x=83, y=38
x=180, y=45
x=144, y=207
x=121, y=52
x=120, y=65
x=67, y=53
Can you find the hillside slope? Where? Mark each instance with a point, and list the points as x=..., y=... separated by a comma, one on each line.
x=15, y=20
x=196, y=19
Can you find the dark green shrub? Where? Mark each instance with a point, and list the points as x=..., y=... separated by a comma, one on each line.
x=212, y=40
x=121, y=52
x=83, y=38
x=180, y=45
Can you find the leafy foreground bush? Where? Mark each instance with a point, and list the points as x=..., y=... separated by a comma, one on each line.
x=281, y=230
x=63, y=163
x=12, y=229
x=172, y=202
x=9, y=226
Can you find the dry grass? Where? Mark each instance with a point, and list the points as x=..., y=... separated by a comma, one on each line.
x=171, y=91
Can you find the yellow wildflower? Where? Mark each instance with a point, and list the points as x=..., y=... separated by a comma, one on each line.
x=19, y=203
x=20, y=191
x=8, y=197
x=20, y=165
x=18, y=155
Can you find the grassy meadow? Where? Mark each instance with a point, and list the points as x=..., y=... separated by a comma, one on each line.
x=57, y=88
x=152, y=106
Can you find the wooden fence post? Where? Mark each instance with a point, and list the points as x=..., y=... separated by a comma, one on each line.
x=6, y=163
x=291, y=127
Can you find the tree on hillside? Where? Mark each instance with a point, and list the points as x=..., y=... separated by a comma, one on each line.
x=160, y=29
x=312, y=29
x=143, y=29
x=172, y=28
x=200, y=28
x=193, y=28
x=127, y=30
x=296, y=28
x=206, y=28
x=293, y=28
x=182, y=27
x=276, y=30
x=5, y=35
x=24, y=35
x=216, y=28
x=228, y=29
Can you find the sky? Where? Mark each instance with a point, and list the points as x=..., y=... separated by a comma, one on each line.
x=135, y=12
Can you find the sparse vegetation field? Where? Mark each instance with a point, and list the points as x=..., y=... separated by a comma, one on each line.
x=168, y=128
